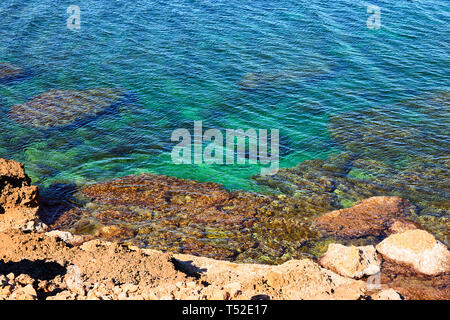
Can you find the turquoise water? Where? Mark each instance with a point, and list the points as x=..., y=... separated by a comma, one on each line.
x=281, y=64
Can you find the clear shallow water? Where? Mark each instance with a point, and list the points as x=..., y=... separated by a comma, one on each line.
x=182, y=61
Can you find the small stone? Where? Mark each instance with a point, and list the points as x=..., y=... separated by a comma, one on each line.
x=149, y=294
x=122, y=296
x=117, y=290
x=34, y=226
x=388, y=294
x=130, y=288
x=416, y=248
x=218, y=295
x=234, y=289
x=91, y=295
x=24, y=293
x=64, y=295
x=351, y=262
x=5, y=291
x=28, y=290
x=73, y=280
x=63, y=235
x=25, y=279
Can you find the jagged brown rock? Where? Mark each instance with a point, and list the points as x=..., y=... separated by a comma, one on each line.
x=412, y=285
x=295, y=279
x=18, y=198
x=401, y=225
x=104, y=270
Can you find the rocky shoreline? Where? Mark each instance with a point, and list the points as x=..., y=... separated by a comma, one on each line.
x=38, y=262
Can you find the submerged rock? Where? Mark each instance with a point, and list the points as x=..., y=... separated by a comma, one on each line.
x=382, y=133
x=191, y=217
x=396, y=156
x=419, y=249
x=351, y=262
x=368, y=217
x=412, y=285
x=320, y=186
x=10, y=72
x=58, y=108
x=18, y=198
x=387, y=294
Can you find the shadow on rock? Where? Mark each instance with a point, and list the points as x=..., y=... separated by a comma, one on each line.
x=38, y=269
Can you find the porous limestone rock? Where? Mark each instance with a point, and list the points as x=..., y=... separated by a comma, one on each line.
x=18, y=198
x=387, y=294
x=417, y=249
x=351, y=262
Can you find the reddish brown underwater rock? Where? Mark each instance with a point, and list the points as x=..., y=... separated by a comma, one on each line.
x=369, y=217
x=59, y=108
x=201, y=202
x=412, y=285
x=9, y=71
x=18, y=198
x=169, y=214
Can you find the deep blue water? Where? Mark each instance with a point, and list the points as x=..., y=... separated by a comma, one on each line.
x=280, y=64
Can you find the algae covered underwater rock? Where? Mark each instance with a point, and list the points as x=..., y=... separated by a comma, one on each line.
x=368, y=217
x=59, y=108
x=9, y=72
x=186, y=216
